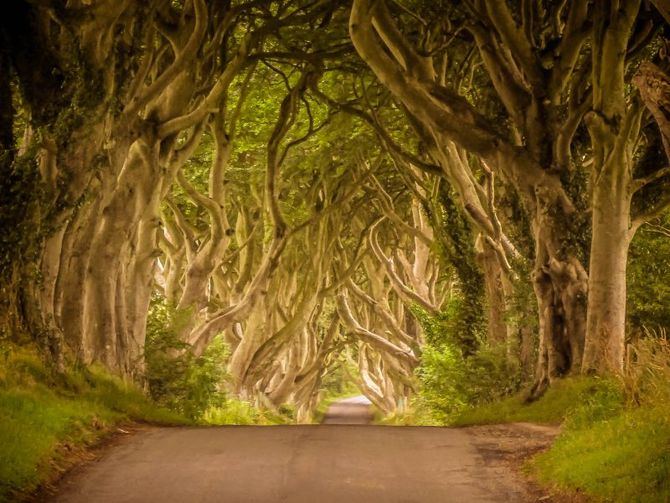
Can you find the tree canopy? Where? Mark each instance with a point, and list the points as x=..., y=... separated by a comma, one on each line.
x=373, y=189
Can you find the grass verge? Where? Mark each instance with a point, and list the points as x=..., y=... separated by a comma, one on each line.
x=239, y=412
x=47, y=419
x=609, y=449
x=555, y=406
x=625, y=458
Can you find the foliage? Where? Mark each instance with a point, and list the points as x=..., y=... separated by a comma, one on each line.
x=337, y=380
x=233, y=411
x=450, y=381
x=455, y=249
x=648, y=278
x=419, y=413
x=178, y=379
x=22, y=192
x=46, y=418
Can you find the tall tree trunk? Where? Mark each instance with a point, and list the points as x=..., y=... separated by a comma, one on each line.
x=604, y=350
x=614, y=127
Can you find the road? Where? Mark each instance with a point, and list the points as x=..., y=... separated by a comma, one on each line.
x=350, y=463
x=354, y=410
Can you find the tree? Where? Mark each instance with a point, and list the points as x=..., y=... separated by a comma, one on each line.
x=531, y=155
x=546, y=87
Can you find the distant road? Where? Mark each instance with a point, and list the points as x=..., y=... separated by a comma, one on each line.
x=356, y=410
x=296, y=464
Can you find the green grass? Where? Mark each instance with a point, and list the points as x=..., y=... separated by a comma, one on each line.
x=558, y=403
x=624, y=459
x=608, y=449
x=46, y=419
x=239, y=412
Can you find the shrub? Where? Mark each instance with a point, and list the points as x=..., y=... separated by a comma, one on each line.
x=232, y=412
x=452, y=379
x=176, y=377
x=449, y=382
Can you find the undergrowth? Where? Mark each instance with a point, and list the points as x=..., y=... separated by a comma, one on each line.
x=196, y=386
x=240, y=412
x=47, y=418
x=178, y=379
x=623, y=454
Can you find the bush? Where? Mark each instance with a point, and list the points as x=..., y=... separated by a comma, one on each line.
x=450, y=383
x=232, y=412
x=178, y=379
x=453, y=378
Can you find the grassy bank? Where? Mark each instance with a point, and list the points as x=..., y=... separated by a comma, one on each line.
x=239, y=412
x=48, y=419
x=611, y=448
x=625, y=458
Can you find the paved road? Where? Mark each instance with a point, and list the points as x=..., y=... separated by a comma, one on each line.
x=355, y=410
x=294, y=464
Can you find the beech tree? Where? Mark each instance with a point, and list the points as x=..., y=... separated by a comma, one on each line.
x=538, y=64
x=318, y=182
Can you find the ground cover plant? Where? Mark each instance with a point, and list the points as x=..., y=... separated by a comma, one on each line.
x=48, y=417
x=615, y=432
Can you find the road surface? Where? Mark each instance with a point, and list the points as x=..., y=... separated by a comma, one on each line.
x=338, y=463
x=355, y=410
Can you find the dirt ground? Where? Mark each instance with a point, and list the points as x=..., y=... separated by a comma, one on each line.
x=509, y=446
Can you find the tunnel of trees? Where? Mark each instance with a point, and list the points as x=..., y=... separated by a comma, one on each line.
x=418, y=197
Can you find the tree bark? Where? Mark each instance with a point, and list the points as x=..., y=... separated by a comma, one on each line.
x=610, y=240
x=614, y=126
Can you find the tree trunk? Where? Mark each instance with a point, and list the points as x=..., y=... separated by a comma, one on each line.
x=614, y=126
x=495, y=295
x=606, y=322
x=560, y=285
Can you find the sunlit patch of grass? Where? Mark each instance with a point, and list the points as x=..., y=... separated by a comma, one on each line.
x=242, y=413
x=45, y=416
x=559, y=402
x=417, y=414
x=623, y=459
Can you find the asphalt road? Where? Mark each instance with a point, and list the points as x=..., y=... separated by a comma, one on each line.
x=355, y=410
x=312, y=464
